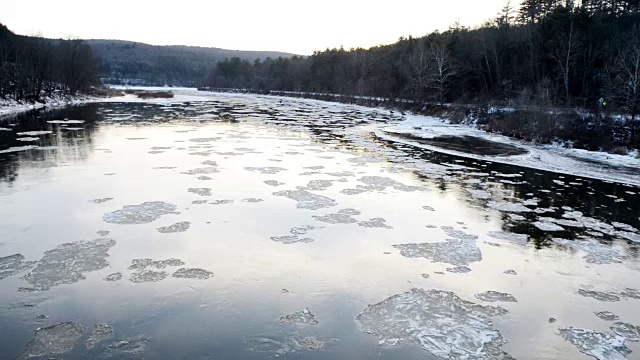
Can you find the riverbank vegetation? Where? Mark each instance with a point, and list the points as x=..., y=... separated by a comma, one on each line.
x=33, y=69
x=547, y=54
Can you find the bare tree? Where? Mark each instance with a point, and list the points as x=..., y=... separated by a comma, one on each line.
x=441, y=69
x=565, y=55
x=624, y=76
x=419, y=66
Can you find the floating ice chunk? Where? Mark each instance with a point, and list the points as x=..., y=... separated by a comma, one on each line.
x=201, y=171
x=270, y=170
x=375, y=223
x=479, y=194
x=273, y=182
x=317, y=167
x=598, y=295
x=510, y=272
x=547, y=226
x=459, y=270
x=318, y=185
x=629, y=236
x=307, y=200
x=140, y=214
x=291, y=239
x=53, y=340
x=192, y=273
x=67, y=262
x=66, y=121
x=33, y=133
x=495, y=296
x=428, y=208
x=516, y=217
x=629, y=331
x=301, y=317
x=572, y=214
x=199, y=202
x=341, y=174
x=458, y=234
x=99, y=333
x=607, y=315
x=221, y=202
x=438, y=321
x=147, y=276
x=100, y=201
x=177, y=227
x=631, y=293
x=625, y=227
x=141, y=264
x=456, y=252
x=27, y=139
x=596, y=344
x=380, y=183
x=12, y=265
x=597, y=253
x=205, y=140
x=113, y=277
x=102, y=232
x=252, y=200
x=18, y=149
x=200, y=191
x=131, y=346
x=353, y=191
x=508, y=206
x=343, y=216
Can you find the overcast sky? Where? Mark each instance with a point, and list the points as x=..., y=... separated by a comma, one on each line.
x=292, y=26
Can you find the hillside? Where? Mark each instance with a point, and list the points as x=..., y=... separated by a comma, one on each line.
x=138, y=63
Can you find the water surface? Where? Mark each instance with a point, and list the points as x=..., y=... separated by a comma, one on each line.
x=160, y=230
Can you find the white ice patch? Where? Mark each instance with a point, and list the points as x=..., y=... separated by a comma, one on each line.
x=629, y=331
x=596, y=252
x=547, y=226
x=596, y=344
x=520, y=239
x=54, y=340
x=343, y=216
x=307, y=200
x=479, y=194
x=304, y=317
x=508, y=206
x=33, y=133
x=495, y=296
x=177, y=227
x=67, y=263
x=458, y=251
x=27, y=139
x=270, y=170
x=140, y=214
x=438, y=321
x=66, y=121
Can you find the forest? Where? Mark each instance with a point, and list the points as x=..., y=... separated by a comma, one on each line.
x=542, y=53
x=32, y=68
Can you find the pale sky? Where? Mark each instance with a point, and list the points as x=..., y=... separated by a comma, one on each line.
x=280, y=25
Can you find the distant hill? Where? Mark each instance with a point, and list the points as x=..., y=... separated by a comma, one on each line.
x=127, y=62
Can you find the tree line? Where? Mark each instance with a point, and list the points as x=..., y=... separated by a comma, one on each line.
x=33, y=68
x=541, y=52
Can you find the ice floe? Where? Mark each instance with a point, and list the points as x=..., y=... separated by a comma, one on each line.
x=304, y=317
x=307, y=200
x=439, y=321
x=54, y=340
x=181, y=226
x=140, y=214
x=596, y=344
x=67, y=263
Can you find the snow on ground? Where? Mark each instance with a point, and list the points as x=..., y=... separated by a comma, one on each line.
x=8, y=107
x=590, y=164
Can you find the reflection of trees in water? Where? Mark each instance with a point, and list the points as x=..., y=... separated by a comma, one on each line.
x=59, y=146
